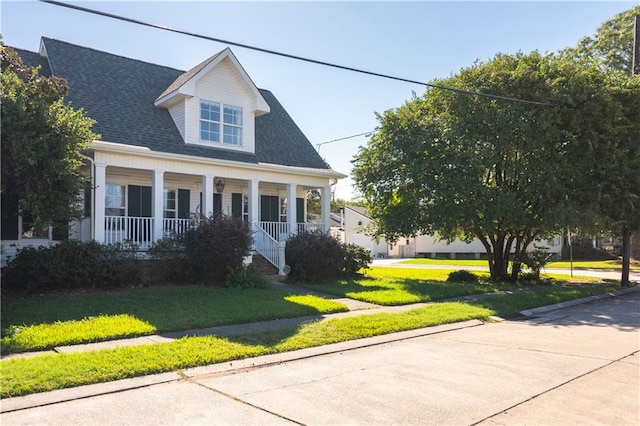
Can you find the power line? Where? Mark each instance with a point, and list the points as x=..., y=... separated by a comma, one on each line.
x=287, y=55
x=343, y=138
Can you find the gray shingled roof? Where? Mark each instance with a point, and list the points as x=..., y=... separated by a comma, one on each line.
x=33, y=59
x=119, y=92
x=187, y=75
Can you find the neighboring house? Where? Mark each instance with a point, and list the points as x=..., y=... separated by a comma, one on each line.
x=174, y=143
x=431, y=246
x=355, y=219
x=354, y=222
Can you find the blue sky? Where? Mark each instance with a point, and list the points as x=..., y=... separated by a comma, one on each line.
x=414, y=40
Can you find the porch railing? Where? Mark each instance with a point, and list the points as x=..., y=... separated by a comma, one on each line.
x=120, y=229
x=175, y=226
x=270, y=248
x=281, y=231
x=269, y=237
x=310, y=227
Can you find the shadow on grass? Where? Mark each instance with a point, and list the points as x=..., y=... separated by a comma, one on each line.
x=172, y=309
x=399, y=291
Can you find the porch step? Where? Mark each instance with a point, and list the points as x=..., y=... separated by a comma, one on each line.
x=263, y=266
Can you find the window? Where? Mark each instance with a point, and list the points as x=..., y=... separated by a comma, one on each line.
x=232, y=125
x=115, y=202
x=29, y=229
x=210, y=122
x=283, y=209
x=169, y=203
x=245, y=208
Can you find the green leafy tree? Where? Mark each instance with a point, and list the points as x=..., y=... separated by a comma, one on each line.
x=611, y=45
x=618, y=184
x=475, y=167
x=42, y=142
x=313, y=202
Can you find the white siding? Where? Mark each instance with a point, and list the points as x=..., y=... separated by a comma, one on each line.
x=430, y=244
x=225, y=85
x=177, y=112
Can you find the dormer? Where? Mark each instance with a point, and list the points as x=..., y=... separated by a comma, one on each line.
x=215, y=104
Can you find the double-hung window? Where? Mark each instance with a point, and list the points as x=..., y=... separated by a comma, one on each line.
x=169, y=203
x=220, y=123
x=115, y=200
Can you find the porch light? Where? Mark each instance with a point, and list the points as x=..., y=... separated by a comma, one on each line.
x=219, y=185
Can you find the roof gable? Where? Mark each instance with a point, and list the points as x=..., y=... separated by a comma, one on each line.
x=185, y=84
x=119, y=93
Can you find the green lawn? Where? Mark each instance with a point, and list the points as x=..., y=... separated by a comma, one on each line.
x=591, y=264
x=95, y=316
x=508, y=304
x=577, y=264
x=401, y=286
x=24, y=376
x=34, y=323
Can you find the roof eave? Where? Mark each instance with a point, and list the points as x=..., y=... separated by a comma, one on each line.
x=114, y=147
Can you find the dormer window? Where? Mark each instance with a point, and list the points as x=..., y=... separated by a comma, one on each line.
x=210, y=123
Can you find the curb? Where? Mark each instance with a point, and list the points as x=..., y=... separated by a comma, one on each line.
x=575, y=302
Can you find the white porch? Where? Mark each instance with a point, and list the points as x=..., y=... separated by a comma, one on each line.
x=143, y=206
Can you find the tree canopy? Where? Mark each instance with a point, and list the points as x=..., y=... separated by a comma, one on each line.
x=475, y=167
x=42, y=143
x=611, y=47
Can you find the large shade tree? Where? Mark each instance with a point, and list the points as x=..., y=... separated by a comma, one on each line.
x=42, y=143
x=465, y=166
x=611, y=49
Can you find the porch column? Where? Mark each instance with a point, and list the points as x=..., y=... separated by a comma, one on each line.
x=100, y=183
x=254, y=215
x=325, y=207
x=207, y=195
x=291, y=208
x=157, y=203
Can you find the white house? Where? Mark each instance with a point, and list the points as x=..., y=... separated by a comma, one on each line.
x=355, y=220
x=174, y=143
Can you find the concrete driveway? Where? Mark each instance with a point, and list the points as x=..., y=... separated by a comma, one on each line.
x=578, y=365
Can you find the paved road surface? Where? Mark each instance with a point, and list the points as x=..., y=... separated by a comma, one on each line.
x=578, y=365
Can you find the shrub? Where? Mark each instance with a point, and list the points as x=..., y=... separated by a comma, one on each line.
x=314, y=257
x=213, y=247
x=167, y=261
x=70, y=265
x=246, y=276
x=536, y=260
x=356, y=258
x=462, y=276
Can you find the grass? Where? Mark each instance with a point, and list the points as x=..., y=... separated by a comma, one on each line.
x=577, y=264
x=91, y=329
x=398, y=286
x=44, y=322
x=508, y=304
x=24, y=376
x=452, y=262
x=591, y=264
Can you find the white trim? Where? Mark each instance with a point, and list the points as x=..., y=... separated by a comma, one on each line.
x=114, y=147
x=187, y=89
